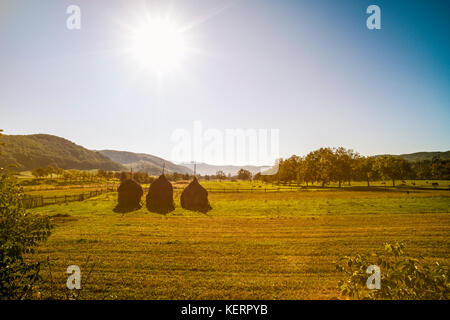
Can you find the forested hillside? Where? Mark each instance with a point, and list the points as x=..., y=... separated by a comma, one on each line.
x=144, y=162
x=40, y=150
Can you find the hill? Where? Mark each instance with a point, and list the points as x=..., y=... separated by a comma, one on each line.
x=419, y=156
x=209, y=169
x=41, y=150
x=144, y=162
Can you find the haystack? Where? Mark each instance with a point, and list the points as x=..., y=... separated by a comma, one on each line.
x=160, y=196
x=130, y=194
x=195, y=197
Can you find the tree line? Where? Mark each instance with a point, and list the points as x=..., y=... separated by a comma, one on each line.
x=322, y=166
x=341, y=165
x=74, y=175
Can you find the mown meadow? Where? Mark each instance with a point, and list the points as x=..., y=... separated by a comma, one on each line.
x=252, y=245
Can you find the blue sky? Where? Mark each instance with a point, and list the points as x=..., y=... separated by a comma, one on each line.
x=309, y=68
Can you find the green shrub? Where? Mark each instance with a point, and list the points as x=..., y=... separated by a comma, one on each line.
x=20, y=233
x=402, y=278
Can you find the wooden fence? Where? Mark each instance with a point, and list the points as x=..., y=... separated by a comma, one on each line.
x=71, y=187
x=40, y=200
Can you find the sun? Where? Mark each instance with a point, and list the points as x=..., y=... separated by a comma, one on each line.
x=158, y=44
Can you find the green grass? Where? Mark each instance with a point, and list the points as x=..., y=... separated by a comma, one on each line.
x=250, y=246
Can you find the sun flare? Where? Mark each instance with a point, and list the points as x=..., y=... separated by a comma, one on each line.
x=158, y=44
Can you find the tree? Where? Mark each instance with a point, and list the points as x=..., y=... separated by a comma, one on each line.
x=343, y=161
x=440, y=169
x=75, y=174
x=391, y=167
x=20, y=233
x=312, y=169
x=365, y=169
x=177, y=176
x=406, y=171
x=244, y=174
x=267, y=178
x=422, y=169
x=38, y=172
x=287, y=169
x=323, y=158
x=306, y=169
x=50, y=170
x=141, y=177
x=220, y=175
x=59, y=172
x=67, y=176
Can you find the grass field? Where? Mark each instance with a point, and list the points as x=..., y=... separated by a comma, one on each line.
x=250, y=246
x=255, y=185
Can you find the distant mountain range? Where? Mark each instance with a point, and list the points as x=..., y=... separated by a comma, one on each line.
x=153, y=165
x=144, y=162
x=41, y=150
x=208, y=169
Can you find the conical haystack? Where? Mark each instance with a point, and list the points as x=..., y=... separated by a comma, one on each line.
x=195, y=197
x=130, y=194
x=160, y=196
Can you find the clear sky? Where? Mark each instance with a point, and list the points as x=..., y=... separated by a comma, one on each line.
x=311, y=69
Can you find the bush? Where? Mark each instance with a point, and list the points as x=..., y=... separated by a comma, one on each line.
x=20, y=233
x=402, y=278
